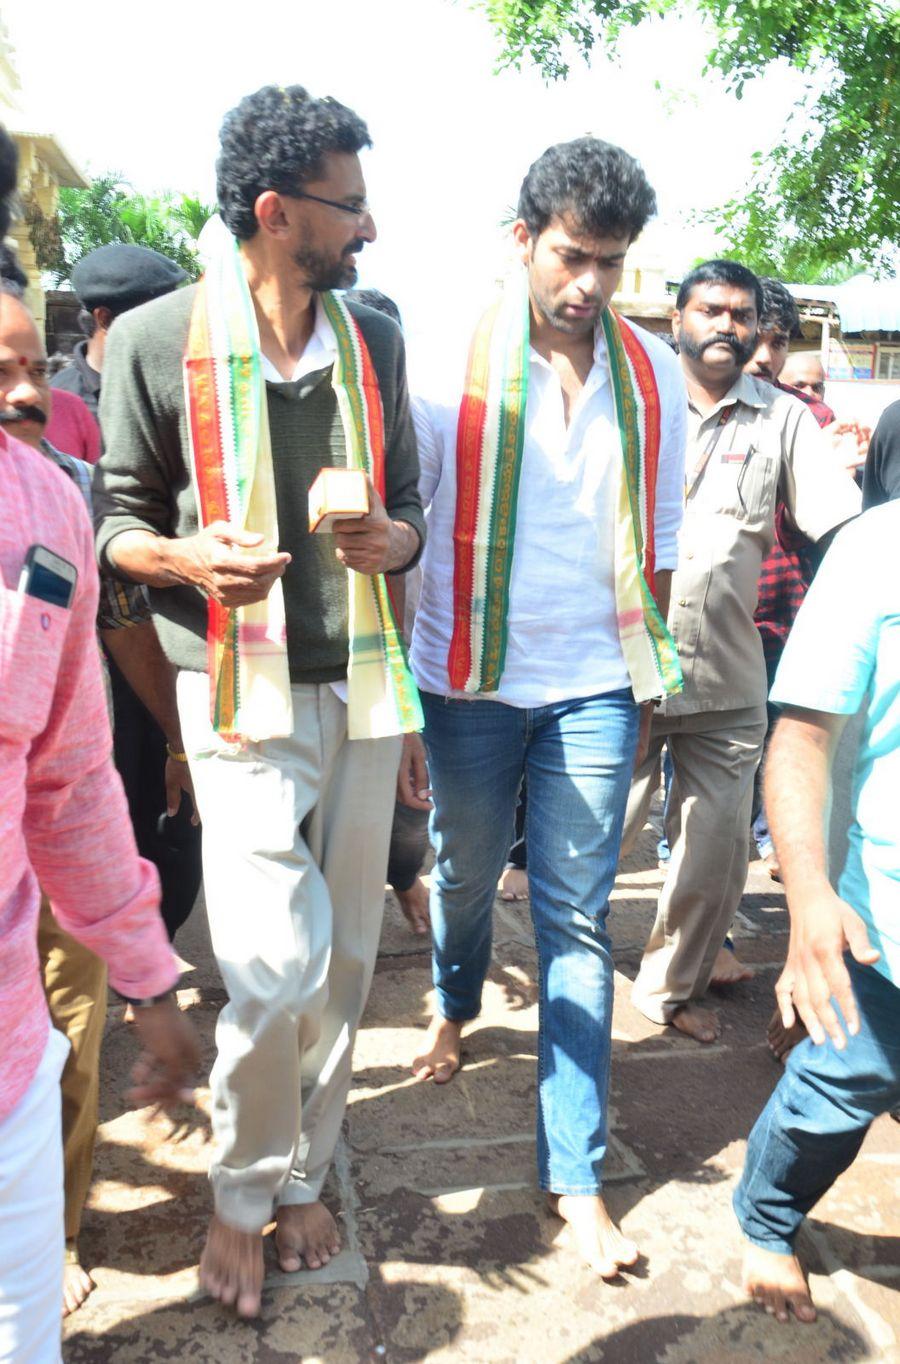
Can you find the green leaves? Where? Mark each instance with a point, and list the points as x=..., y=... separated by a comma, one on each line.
x=109, y=210
x=830, y=191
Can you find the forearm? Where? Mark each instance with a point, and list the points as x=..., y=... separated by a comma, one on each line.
x=138, y=654
x=796, y=791
x=152, y=559
x=403, y=546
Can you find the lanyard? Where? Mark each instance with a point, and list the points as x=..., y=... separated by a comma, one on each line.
x=708, y=450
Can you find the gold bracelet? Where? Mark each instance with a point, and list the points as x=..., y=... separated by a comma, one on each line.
x=173, y=753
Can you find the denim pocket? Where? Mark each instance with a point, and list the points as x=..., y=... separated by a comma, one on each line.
x=31, y=639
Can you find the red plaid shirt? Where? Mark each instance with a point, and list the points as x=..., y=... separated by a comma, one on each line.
x=789, y=567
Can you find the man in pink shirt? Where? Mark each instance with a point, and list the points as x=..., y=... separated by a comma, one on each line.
x=72, y=428
x=63, y=823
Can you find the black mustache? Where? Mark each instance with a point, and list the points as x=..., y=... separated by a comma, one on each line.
x=353, y=248
x=725, y=339
x=28, y=413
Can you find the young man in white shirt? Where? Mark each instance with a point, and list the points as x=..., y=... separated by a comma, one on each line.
x=533, y=662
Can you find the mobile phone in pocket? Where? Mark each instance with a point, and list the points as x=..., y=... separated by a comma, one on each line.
x=48, y=577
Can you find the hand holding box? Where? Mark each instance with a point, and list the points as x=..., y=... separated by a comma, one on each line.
x=337, y=495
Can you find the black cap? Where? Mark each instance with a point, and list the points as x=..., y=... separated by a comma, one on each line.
x=120, y=276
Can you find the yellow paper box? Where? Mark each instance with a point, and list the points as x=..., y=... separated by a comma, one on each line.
x=336, y=495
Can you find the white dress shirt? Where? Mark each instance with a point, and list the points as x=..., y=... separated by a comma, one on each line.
x=563, y=638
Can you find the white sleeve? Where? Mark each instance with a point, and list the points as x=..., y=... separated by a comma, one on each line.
x=670, y=476
x=817, y=492
x=429, y=450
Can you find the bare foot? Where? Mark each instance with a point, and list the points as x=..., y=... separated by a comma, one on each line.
x=773, y=867
x=728, y=970
x=306, y=1236
x=513, y=884
x=414, y=903
x=782, y=1040
x=597, y=1237
x=77, y=1282
x=701, y=1024
x=778, y=1283
x=231, y=1267
x=440, y=1060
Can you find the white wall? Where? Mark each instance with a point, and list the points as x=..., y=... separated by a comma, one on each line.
x=859, y=399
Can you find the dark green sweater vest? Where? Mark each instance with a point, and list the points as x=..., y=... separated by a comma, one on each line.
x=143, y=480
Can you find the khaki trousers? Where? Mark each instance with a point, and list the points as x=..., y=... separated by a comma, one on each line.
x=295, y=845
x=715, y=756
x=75, y=986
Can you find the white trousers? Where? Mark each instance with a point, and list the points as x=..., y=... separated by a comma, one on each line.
x=295, y=845
x=31, y=1217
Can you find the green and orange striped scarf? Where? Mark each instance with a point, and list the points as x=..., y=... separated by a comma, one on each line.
x=489, y=444
x=231, y=460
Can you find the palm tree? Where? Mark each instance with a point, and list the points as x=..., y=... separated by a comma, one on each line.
x=110, y=210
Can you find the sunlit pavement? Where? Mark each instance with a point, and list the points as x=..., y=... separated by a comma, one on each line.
x=449, y=1253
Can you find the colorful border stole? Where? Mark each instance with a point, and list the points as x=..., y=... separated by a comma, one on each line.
x=489, y=447
x=231, y=460
x=382, y=697
x=490, y=439
x=650, y=652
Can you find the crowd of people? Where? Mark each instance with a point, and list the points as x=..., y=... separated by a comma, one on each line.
x=607, y=552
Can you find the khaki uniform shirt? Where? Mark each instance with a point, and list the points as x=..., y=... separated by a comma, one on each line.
x=756, y=445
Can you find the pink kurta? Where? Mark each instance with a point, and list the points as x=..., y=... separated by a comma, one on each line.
x=72, y=428
x=63, y=817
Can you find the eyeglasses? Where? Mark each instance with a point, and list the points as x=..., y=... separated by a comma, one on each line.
x=355, y=210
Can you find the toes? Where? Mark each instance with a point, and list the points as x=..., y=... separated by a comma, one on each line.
x=210, y=1282
x=627, y=1254
x=248, y=1303
x=803, y=1308
x=289, y=1260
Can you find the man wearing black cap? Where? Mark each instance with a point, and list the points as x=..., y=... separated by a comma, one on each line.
x=108, y=282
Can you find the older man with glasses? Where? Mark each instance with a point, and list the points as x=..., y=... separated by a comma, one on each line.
x=293, y=688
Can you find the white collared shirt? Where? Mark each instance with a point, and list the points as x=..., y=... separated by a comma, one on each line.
x=318, y=353
x=563, y=638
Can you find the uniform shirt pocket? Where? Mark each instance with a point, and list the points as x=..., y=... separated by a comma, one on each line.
x=745, y=486
x=31, y=640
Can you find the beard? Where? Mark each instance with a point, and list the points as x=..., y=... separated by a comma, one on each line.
x=324, y=272
x=742, y=350
x=569, y=326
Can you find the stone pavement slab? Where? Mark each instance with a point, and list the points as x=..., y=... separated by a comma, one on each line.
x=449, y=1250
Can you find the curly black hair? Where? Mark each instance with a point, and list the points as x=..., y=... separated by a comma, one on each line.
x=9, y=170
x=720, y=272
x=779, y=312
x=601, y=187
x=276, y=139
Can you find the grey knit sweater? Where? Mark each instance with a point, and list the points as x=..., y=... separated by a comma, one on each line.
x=143, y=480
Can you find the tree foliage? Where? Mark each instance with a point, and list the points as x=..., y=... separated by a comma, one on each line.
x=829, y=193
x=109, y=210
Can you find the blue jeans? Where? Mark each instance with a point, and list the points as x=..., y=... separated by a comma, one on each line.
x=815, y=1122
x=577, y=757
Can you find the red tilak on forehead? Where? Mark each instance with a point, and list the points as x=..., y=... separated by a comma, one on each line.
x=24, y=360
